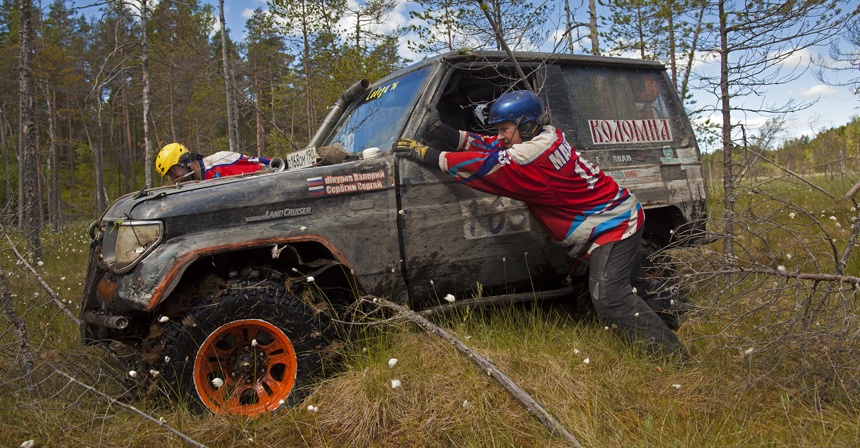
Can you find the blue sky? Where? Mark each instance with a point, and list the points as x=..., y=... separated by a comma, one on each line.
x=833, y=106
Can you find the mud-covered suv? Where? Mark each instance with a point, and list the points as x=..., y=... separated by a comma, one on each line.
x=225, y=291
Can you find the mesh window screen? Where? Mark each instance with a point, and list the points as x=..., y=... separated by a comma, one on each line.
x=606, y=107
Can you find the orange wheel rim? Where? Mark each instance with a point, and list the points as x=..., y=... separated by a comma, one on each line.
x=245, y=367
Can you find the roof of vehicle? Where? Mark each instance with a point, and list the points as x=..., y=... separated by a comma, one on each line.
x=531, y=57
x=525, y=57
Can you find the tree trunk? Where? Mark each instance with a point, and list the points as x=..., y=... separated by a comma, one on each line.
x=19, y=156
x=98, y=169
x=127, y=160
x=54, y=203
x=728, y=183
x=309, y=102
x=592, y=26
x=852, y=191
x=640, y=30
x=172, y=101
x=29, y=152
x=147, y=132
x=71, y=147
x=670, y=23
x=691, y=55
x=4, y=141
x=261, y=130
x=228, y=88
x=568, y=26
x=500, y=30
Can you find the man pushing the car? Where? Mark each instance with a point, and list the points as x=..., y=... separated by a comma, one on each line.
x=579, y=206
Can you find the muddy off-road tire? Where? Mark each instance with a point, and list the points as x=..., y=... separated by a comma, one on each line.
x=245, y=350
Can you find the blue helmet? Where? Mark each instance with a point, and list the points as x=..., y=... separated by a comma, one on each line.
x=519, y=106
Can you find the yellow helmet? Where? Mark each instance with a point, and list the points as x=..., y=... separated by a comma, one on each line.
x=169, y=156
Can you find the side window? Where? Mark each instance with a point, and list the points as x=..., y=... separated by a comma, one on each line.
x=469, y=90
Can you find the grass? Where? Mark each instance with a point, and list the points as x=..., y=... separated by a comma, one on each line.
x=775, y=395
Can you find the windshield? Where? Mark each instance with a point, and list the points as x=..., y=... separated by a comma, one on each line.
x=376, y=119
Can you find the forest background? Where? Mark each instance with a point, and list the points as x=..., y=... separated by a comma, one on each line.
x=296, y=57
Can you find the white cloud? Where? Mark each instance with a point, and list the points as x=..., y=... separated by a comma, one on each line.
x=797, y=59
x=396, y=18
x=816, y=91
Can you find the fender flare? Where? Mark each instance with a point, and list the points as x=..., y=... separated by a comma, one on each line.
x=175, y=273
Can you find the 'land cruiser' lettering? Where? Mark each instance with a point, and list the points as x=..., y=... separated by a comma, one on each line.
x=282, y=213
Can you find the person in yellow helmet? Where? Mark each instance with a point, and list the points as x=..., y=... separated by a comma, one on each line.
x=179, y=164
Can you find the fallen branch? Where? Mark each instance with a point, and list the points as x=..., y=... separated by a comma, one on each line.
x=54, y=297
x=849, y=279
x=852, y=191
x=113, y=401
x=516, y=391
x=842, y=263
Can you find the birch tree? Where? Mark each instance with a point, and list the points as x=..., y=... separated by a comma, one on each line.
x=144, y=64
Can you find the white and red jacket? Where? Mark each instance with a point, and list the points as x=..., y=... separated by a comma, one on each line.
x=228, y=163
x=578, y=205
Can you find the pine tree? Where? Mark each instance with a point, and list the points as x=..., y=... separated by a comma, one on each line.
x=266, y=63
x=29, y=153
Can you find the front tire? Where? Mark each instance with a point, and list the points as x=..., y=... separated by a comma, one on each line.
x=245, y=350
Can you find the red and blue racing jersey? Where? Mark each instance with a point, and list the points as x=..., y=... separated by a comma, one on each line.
x=228, y=163
x=578, y=205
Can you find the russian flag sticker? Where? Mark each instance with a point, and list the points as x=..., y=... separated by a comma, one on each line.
x=316, y=186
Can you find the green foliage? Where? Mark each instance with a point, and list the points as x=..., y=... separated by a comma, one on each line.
x=91, y=69
x=440, y=30
x=834, y=152
x=666, y=31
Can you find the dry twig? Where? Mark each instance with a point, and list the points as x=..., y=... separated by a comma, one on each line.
x=20, y=330
x=113, y=401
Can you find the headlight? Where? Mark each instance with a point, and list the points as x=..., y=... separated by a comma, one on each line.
x=127, y=242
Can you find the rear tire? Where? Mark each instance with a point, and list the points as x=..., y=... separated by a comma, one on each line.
x=244, y=350
x=661, y=272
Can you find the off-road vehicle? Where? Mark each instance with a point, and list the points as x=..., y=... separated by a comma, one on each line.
x=225, y=291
